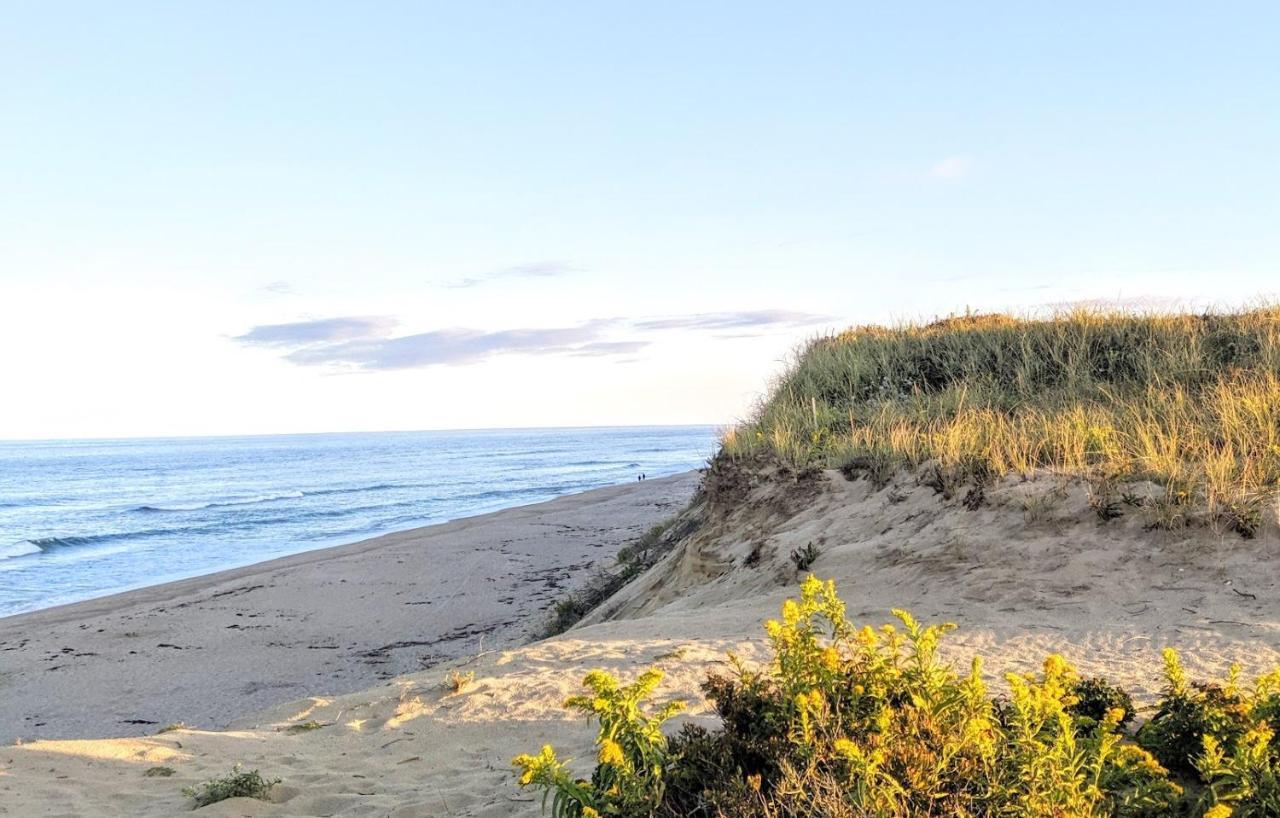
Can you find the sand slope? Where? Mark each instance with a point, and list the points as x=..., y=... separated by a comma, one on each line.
x=1020, y=584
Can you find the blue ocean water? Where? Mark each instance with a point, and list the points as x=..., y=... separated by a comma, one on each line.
x=80, y=519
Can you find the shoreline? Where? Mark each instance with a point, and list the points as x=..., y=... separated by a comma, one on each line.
x=189, y=584
x=212, y=648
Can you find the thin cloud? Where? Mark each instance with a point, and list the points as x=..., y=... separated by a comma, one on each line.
x=278, y=288
x=952, y=168
x=365, y=343
x=456, y=347
x=602, y=348
x=537, y=269
x=745, y=319
x=325, y=330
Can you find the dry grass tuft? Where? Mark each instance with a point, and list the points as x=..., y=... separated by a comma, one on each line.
x=456, y=681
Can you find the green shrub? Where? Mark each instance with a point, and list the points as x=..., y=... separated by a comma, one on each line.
x=802, y=558
x=235, y=784
x=1097, y=697
x=1243, y=783
x=631, y=750
x=632, y=561
x=1189, y=712
x=847, y=722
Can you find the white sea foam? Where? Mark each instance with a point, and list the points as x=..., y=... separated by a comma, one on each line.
x=18, y=549
x=239, y=501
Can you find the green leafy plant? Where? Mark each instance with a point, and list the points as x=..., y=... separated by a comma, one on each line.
x=805, y=556
x=1188, y=712
x=1243, y=783
x=632, y=753
x=236, y=784
x=1095, y=698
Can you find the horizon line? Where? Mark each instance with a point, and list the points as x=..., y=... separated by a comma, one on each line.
x=226, y=436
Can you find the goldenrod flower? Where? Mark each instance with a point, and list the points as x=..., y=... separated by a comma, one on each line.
x=831, y=659
x=790, y=612
x=846, y=748
x=1055, y=665
x=611, y=753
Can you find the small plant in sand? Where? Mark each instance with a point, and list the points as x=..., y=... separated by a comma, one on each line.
x=1103, y=500
x=159, y=772
x=631, y=750
x=235, y=784
x=455, y=681
x=802, y=558
x=849, y=722
x=305, y=726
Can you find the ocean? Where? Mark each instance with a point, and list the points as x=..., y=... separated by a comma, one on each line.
x=85, y=518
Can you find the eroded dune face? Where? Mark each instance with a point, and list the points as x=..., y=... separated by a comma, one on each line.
x=1029, y=570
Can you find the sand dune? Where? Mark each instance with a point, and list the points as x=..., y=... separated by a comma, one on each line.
x=1020, y=585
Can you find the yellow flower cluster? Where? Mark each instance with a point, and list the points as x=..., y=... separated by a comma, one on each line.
x=544, y=767
x=611, y=753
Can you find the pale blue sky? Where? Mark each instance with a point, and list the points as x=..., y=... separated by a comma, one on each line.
x=579, y=213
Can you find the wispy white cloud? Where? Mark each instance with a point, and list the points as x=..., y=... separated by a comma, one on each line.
x=537, y=269
x=366, y=342
x=453, y=347
x=598, y=349
x=278, y=288
x=744, y=319
x=952, y=168
x=325, y=330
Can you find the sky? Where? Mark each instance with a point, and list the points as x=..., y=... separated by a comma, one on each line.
x=271, y=217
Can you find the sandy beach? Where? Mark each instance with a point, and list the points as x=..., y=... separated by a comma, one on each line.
x=1108, y=597
x=206, y=650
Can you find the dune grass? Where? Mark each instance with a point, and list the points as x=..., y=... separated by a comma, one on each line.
x=1189, y=402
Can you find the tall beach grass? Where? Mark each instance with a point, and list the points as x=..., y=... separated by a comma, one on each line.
x=1190, y=402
